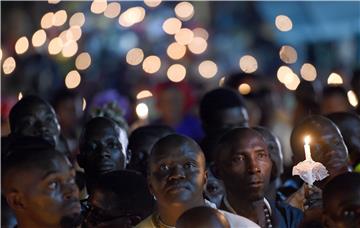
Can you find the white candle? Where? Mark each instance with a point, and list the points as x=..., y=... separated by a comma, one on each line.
x=307, y=148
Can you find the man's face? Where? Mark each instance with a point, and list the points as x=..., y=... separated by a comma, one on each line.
x=107, y=210
x=50, y=195
x=229, y=118
x=38, y=120
x=177, y=175
x=102, y=149
x=246, y=168
x=328, y=147
x=343, y=211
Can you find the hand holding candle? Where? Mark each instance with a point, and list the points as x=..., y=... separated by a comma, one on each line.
x=309, y=170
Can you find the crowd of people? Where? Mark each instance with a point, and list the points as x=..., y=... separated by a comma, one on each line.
x=157, y=176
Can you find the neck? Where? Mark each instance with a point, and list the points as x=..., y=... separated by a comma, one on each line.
x=170, y=213
x=271, y=191
x=253, y=210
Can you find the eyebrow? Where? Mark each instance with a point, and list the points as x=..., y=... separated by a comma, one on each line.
x=52, y=172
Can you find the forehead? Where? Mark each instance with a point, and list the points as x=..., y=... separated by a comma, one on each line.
x=176, y=152
x=100, y=130
x=34, y=109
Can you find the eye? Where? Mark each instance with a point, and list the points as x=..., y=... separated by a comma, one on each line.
x=189, y=165
x=238, y=158
x=53, y=185
x=112, y=143
x=164, y=167
x=261, y=154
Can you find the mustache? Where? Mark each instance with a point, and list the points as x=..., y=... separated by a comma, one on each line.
x=177, y=184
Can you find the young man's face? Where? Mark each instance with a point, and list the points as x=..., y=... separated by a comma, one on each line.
x=177, y=175
x=38, y=120
x=343, y=210
x=108, y=210
x=246, y=168
x=49, y=196
x=229, y=118
x=102, y=149
x=328, y=147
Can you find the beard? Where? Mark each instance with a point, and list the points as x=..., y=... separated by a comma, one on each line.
x=71, y=221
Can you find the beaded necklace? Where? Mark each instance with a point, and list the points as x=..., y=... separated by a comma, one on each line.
x=267, y=212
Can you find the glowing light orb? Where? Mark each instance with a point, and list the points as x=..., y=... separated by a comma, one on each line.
x=142, y=111
x=151, y=64
x=198, y=45
x=98, y=6
x=308, y=72
x=283, y=23
x=176, y=51
x=22, y=45
x=184, y=36
x=200, y=32
x=152, y=3
x=288, y=54
x=112, y=10
x=9, y=65
x=83, y=104
x=176, y=73
x=144, y=94
x=70, y=48
x=135, y=56
x=39, y=38
x=184, y=11
x=78, y=19
x=72, y=79
x=20, y=96
x=334, y=79
x=208, y=69
x=55, y=46
x=83, y=61
x=132, y=16
x=47, y=20
x=244, y=88
x=248, y=64
x=172, y=25
x=353, y=100
x=59, y=18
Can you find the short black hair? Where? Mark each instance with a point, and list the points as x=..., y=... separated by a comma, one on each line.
x=345, y=183
x=217, y=100
x=28, y=152
x=127, y=185
x=16, y=111
x=147, y=133
x=332, y=90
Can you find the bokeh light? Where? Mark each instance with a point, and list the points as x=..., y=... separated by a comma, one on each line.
x=198, y=45
x=221, y=81
x=308, y=72
x=244, y=88
x=144, y=94
x=59, y=18
x=284, y=74
x=352, y=98
x=53, y=1
x=283, y=23
x=142, y=111
x=112, y=10
x=176, y=51
x=72, y=79
x=132, y=16
x=176, y=73
x=294, y=83
x=83, y=61
x=288, y=54
x=184, y=11
x=73, y=33
x=208, y=69
x=98, y=6
x=248, y=64
x=151, y=64
x=70, y=49
x=20, y=96
x=135, y=56
x=334, y=79
x=152, y=3
x=39, y=38
x=78, y=19
x=184, y=36
x=47, y=20
x=172, y=25
x=55, y=46
x=21, y=45
x=83, y=104
x=200, y=32
x=9, y=65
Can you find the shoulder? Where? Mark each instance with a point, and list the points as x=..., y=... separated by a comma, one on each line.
x=146, y=223
x=239, y=221
x=292, y=216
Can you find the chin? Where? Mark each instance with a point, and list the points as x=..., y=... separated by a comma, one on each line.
x=72, y=220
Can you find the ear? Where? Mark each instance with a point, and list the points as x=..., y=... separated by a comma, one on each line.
x=205, y=177
x=15, y=200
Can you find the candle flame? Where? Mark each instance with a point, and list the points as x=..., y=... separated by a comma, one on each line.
x=307, y=139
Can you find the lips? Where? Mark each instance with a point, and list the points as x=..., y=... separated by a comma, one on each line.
x=106, y=167
x=177, y=187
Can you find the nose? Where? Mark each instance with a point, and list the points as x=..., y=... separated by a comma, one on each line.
x=71, y=191
x=104, y=152
x=177, y=172
x=253, y=166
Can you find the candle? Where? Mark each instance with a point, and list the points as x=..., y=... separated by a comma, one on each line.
x=307, y=148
